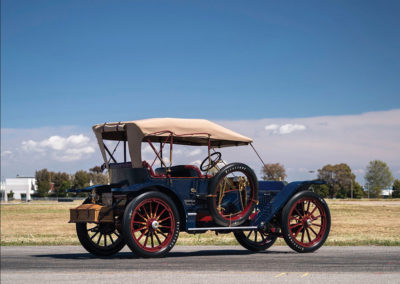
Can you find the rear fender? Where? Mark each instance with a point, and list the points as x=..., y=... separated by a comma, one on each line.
x=137, y=189
x=97, y=187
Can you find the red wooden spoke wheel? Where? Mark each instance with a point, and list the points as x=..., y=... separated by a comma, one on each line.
x=151, y=223
x=306, y=222
x=233, y=195
x=255, y=240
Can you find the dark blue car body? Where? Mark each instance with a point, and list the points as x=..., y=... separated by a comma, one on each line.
x=189, y=194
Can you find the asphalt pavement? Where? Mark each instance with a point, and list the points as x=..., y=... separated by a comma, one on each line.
x=202, y=264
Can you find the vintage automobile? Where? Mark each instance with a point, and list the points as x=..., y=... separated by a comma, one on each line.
x=146, y=208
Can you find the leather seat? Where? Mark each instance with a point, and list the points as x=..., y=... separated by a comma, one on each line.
x=181, y=171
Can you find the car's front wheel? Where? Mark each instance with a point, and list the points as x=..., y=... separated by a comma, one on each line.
x=306, y=222
x=255, y=240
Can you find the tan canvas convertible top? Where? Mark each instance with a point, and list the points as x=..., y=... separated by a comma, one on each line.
x=198, y=132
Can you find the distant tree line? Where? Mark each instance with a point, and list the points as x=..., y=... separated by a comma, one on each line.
x=274, y=172
x=57, y=183
x=340, y=181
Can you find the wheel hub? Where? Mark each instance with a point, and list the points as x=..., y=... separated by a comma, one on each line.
x=155, y=225
x=306, y=221
x=152, y=224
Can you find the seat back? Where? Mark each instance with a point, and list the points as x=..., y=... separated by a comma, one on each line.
x=181, y=171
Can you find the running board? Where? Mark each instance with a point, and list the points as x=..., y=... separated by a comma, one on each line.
x=223, y=228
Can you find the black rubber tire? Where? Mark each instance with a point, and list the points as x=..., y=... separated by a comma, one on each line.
x=93, y=248
x=243, y=238
x=212, y=189
x=291, y=241
x=139, y=251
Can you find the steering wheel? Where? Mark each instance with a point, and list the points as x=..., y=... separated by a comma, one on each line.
x=214, y=157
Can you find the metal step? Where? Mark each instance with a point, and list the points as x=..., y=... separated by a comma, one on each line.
x=223, y=228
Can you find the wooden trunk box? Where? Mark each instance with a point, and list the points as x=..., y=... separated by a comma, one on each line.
x=92, y=213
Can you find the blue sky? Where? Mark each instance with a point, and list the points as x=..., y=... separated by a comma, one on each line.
x=83, y=62
x=71, y=64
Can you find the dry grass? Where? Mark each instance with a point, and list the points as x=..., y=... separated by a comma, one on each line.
x=365, y=222
x=44, y=223
x=353, y=223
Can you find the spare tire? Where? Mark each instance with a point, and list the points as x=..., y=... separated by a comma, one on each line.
x=233, y=194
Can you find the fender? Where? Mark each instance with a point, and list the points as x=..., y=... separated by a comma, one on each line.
x=289, y=190
x=163, y=185
x=270, y=205
x=140, y=186
x=97, y=187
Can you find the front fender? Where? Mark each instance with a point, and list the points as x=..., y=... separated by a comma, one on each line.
x=291, y=189
x=271, y=206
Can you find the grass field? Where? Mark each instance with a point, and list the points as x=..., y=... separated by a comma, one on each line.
x=363, y=222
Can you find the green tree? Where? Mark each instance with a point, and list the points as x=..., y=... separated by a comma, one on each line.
x=81, y=179
x=10, y=195
x=43, y=182
x=374, y=192
x=338, y=178
x=321, y=189
x=62, y=190
x=98, y=178
x=358, y=191
x=43, y=188
x=396, y=189
x=41, y=175
x=96, y=169
x=378, y=176
x=60, y=180
x=273, y=172
x=341, y=193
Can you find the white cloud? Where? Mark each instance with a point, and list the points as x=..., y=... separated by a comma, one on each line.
x=74, y=154
x=351, y=139
x=272, y=127
x=54, y=142
x=61, y=143
x=6, y=153
x=63, y=149
x=284, y=129
x=195, y=152
x=289, y=128
x=196, y=163
x=359, y=171
x=30, y=145
x=146, y=149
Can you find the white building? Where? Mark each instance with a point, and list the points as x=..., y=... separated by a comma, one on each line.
x=3, y=191
x=21, y=185
x=386, y=192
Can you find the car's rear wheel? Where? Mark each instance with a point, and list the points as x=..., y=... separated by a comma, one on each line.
x=255, y=240
x=306, y=222
x=100, y=239
x=151, y=224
